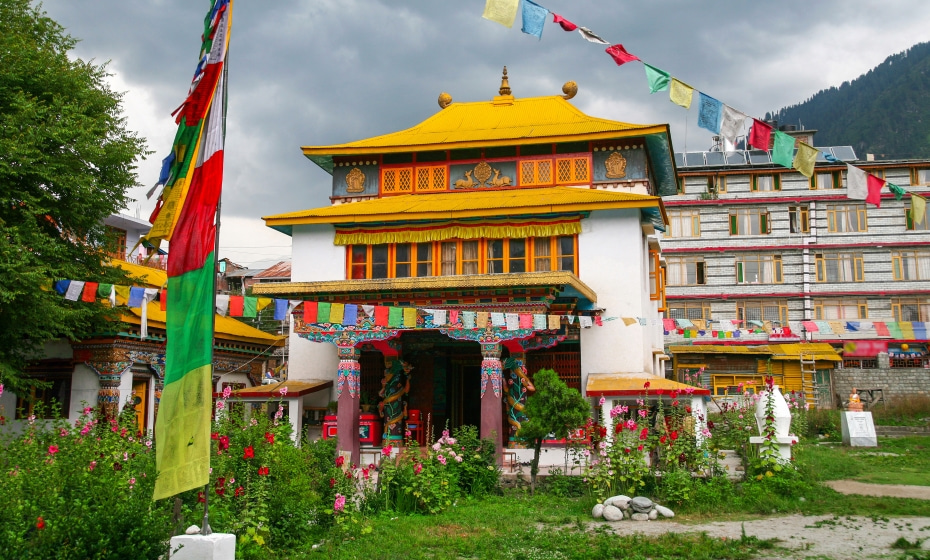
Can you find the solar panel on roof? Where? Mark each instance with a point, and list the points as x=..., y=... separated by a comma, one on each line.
x=694, y=158
x=715, y=158
x=759, y=156
x=736, y=158
x=679, y=159
x=844, y=153
x=822, y=156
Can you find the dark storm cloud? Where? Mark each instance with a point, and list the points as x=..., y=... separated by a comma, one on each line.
x=330, y=71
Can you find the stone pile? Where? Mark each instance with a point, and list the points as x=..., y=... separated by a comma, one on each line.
x=621, y=507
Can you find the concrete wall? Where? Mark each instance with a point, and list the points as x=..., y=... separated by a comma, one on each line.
x=314, y=257
x=896, y=383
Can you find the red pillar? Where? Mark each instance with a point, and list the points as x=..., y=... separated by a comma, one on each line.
x=491, y=381
x=347, y=396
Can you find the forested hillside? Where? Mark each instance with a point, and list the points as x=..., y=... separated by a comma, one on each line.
x=885, y=112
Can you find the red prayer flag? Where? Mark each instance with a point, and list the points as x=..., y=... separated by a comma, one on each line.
x=875, y=190
x=881, y=329
x=235, y=306
x=600, y=322
x=453, y=316
x=90, y=292
x=566, y=25
x=760, y=135
x=382, y=315
x=619, y=54
x=310, y=311
x=163, y=297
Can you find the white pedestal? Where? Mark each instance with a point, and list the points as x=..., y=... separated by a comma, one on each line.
x=218, y=546
x=784, y=445
x=858, y=429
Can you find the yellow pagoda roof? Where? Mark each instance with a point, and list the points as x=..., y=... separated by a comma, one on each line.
x=503, y=120
x=151, y=277
x=470, y=204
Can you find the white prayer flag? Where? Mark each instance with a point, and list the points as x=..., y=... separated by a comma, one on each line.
x=857, y=183
x=222, y=304
x=591, y=36
x=539, y=322
x=439, y=316
x=75, y=288
x=513, y=321
x=585, y=321
x=497, y=319
x=731, y=123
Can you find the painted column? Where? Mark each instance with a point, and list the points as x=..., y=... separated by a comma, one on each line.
x=348, y=383
x=519, y=387
x=395, y=386
x=109, y=374
x=491, y=391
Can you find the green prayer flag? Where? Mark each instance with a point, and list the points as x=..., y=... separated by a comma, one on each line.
x=396, y=317
x=249, y=306
x=783, y=151
x=658, y=79
x=322, y=312
x=103, y=290
x=898, y=191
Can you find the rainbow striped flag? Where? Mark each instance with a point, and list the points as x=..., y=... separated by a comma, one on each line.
x=185, y=216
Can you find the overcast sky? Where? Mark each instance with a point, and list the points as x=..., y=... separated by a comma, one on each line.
x=318, y=72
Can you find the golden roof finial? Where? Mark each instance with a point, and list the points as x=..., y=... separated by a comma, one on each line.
x=505, y=85
x=570, y=89
x=444, y=100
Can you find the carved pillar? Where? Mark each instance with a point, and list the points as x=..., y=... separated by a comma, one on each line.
x=519, y=387
x=109, y=374
x=348, y=383
x=491, y=391
x=395, y=386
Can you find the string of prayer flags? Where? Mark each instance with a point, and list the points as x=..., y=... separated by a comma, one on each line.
x=783, y=149
x=918, y=209
x=503, y=12
x=534, y=18
x=680, y=93
x=805, y=159
x=760, y=135
x=874, y=186
x=564, y=23
x=731, y=123
x=620, y=54
x=591, y=36
x=222, y=304
x=658, y=79
x=709, y=113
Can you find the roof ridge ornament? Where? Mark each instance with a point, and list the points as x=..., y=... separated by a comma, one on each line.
x=570, y=89
x=444, y=100
x=505, y=85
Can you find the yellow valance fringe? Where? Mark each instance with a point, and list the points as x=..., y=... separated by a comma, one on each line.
x=484, y=231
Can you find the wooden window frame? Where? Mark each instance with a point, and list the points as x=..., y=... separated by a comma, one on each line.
x=782, y=306
x=763, y=216
x=923, y=308
x=26, y=406
x=915, y=176
x=803, y=218
x=776, y=182
x=835, y=176
x=573, y=162
x=399, y=170
x=684, y=262
x=843, y=209
x=897, y=262
x=690, y=214
x=536, y=162
x=820, y=263
x=656, y=287
x=776, y=263
x=687, y=306
x=862, y=307
x=431, y=170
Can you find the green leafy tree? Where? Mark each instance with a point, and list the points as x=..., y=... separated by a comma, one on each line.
x=554, y=408
x=66, y=159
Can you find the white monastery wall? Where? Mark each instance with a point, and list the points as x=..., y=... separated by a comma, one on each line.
x=314, y=258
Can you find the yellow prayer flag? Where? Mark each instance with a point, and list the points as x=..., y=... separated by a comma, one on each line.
x=728, y=334
x=503, y=12
x=555, y=322
x=805, y=159
x=838, y=327
x=263, y=302
x=122, y=294
x=680, y=93
x=907, y=330
x=918, y=209
x=481, y=319
x=410, y=317
x=336, y=312
x=701, y=324
x=629, y=321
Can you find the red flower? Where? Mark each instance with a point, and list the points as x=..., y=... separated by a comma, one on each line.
x=365, y=473
x=249, y=453
x=710, y=425
x=660, y=391
x=52, y=449
x=269, y=437
x=644, y=434
x=332, y=482
x=662, y=439
x=674, y=394
x=340, y=460
x=618, y=428
x=627, y=450
x=220, y=491
x=40, y=523
x=688, y=409
x=262, y=471
x=640, y=448
x=675, y=403
x=349, y=474
x=201, y=497
x=602, y=431
x=239, y=491
x=674, y=435
x=417, y=468
x=215, y=435
x=224, y=443
x=646, y=385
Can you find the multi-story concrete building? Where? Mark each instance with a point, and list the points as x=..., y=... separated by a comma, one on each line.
x=758, y=253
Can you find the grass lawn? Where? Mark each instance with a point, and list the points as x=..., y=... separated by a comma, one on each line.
x=519, y=526
x=903, y=460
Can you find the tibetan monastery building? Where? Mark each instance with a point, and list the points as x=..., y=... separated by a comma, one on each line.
x=463, y=254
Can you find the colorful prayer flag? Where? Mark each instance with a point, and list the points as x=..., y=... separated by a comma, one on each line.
x=534, y=18
x=805, y=159
x=874, y=186
x=503, y=12
x=591, y=36
x=898, y=191
x=187, y=218
x=658, y=79
x=680, y=93
x=709, y=113
x=396, y=317
x=731, y=122
x=760, y=135
x=324, y=312
x=555, y=322
x=280, y=309
x=250, y=307
x=783, y=149
x=382, y=316
x=311, y=311
x=135, y=297
x=236, y=305
x=856, y=183
x=410, y=317
x=620, y=55
x=75, y=289
x=566, y=25
x=337, y=312
x=918, y=209
x=89, y=293
x=350, y=314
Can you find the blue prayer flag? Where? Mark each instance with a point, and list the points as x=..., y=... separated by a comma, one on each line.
x=852, y=326
x=350, y=314
x=534, y=18
x=710, y=111
x=136, y=296
x=280, y=309
x=61, y=286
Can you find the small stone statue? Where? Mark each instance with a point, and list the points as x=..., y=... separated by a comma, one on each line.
x=855, y=403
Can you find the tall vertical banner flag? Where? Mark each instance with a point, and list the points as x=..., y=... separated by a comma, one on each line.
x=182, y=428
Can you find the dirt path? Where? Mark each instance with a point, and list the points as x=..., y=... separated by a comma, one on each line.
x=801, y=536
x=886, y=490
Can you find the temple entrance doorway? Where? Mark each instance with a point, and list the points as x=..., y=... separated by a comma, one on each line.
x=464, y=394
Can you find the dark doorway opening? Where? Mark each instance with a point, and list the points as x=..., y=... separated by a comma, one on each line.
x=464, y=402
